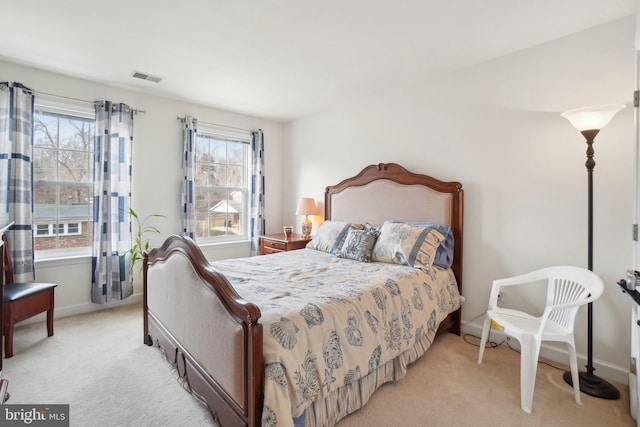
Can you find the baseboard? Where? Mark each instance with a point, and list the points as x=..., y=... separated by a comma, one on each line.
x=88, y=307
x=603, y=369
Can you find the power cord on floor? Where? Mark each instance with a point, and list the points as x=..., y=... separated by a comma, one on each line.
x=506, y=341
x=489, y=344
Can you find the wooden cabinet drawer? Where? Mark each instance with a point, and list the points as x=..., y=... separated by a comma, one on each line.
x=280, y=246
x=269, y=250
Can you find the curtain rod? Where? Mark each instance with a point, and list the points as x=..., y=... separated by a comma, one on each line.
x=134, y=110
x=216, y=124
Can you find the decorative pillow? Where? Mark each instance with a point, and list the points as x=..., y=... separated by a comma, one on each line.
x=357, y=226
x=407, y=244
x=329, y=236
x=444, y=254
x=352, y=226
x=372, y=229
x=358, y=245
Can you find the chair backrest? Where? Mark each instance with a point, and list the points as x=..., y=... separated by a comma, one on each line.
x=7, y=266
x=570, y=285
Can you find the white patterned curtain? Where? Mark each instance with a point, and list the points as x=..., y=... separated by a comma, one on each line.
x=188, y=212
x=257, y=191
x=111, y=203
x=16, y=175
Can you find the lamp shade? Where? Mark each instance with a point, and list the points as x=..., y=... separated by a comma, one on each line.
x=592, y=118
x=306, y=206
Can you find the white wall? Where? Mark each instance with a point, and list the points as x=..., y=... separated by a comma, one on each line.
x=496, y=128
x=156, y=173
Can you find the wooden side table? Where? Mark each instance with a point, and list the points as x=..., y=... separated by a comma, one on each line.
x=274, y=243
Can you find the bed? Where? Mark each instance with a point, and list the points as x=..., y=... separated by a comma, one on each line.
x=240, y=333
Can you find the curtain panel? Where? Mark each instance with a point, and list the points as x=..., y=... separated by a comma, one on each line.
x=188, y=212
x=16, y=174
x=257, y=191
x=111, y=203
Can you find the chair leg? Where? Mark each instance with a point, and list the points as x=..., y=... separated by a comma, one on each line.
x=50, y=313
x=575, y=378
x=50, y=322
x=529, y=351
x=485, y=335
x=8, y=340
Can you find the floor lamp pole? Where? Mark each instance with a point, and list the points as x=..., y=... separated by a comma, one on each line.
x=590, y=383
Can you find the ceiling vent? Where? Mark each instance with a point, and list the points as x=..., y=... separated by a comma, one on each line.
x=145, y=76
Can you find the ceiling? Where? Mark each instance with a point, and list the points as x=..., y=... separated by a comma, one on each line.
x=282, y=59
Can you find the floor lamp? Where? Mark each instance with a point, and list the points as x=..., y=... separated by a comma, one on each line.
x=589, y=121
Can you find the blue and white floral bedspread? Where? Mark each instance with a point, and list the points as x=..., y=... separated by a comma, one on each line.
x=328, y=321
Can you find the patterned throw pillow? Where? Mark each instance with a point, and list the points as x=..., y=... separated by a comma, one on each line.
x=352, y=226
x=444, y=255
x=407, y=244
x=358, y=245
x=357, y=226
x=329, y=236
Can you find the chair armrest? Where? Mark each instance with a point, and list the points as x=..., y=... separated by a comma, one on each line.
x=522, y=279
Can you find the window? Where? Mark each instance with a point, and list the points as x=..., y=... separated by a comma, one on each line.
x=221, y=180
x=63, y=179
x=70, y=229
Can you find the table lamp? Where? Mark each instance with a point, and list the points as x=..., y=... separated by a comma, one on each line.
x=306, y=206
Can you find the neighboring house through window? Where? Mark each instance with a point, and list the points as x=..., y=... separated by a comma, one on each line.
x=63, y=179
x=221, y=179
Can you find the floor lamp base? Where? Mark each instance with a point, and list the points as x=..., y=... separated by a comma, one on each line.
x=594, y=385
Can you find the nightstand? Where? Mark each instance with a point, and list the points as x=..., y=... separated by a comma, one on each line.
x=274, y=243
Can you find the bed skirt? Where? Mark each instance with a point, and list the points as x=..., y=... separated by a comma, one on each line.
x=355, y=395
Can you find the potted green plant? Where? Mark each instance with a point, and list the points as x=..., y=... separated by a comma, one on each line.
x=141, y=243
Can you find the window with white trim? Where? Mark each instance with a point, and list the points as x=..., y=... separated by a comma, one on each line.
x=63, y=178
x=68, y=229
x=221, y=181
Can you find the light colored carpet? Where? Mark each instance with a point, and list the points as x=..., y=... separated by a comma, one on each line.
x=447, y=387
x=98, y=364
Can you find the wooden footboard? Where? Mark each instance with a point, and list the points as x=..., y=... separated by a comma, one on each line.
x=220, y=363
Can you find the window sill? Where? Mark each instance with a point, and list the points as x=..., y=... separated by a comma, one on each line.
x=225, y=250
x=226, y=243
x=77, y=257
x=62, y=259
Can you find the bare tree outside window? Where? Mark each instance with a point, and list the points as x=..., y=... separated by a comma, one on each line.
x=63, y=177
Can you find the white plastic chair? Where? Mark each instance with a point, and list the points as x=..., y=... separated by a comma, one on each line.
x=567, y=289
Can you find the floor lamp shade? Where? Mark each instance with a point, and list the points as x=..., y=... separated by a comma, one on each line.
x=592, y=118
x=589, y=121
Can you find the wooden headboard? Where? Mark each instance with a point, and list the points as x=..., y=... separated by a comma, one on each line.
x=389, y=191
